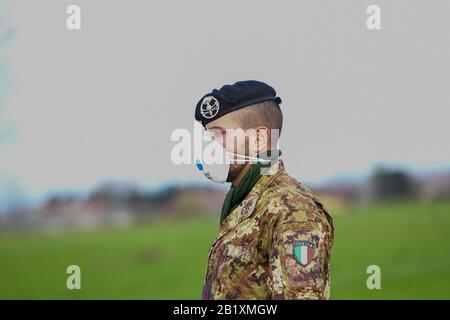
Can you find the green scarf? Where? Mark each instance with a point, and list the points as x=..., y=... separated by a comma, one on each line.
x=237, y=194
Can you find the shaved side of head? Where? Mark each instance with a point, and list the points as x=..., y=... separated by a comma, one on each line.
x=264, y=114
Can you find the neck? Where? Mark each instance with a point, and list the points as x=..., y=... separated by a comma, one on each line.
x=241, y=175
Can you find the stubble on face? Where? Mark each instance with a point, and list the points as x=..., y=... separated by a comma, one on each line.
x=235, y=170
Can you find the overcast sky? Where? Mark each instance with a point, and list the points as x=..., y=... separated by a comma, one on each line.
x=80, y=107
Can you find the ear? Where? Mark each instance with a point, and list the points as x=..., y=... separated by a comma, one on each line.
x=261, y=141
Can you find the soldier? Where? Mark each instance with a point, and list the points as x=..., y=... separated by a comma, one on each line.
x=275, y=236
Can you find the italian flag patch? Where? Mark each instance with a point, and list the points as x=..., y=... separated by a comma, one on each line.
x=304, y=252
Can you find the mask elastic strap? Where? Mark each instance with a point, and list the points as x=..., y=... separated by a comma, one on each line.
x=243, y=158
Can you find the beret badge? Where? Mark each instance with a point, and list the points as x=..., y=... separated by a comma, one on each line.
x=209, y=107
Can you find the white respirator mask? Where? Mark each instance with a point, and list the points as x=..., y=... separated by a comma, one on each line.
x=218, y=170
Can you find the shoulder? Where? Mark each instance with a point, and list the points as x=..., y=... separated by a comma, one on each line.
x=288, y=203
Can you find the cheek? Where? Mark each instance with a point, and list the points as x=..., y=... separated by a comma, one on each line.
x=237, y=144
x=232, y=143
x=242, y=147
x=220, y=139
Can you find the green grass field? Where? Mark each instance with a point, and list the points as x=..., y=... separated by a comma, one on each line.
x=166, y=259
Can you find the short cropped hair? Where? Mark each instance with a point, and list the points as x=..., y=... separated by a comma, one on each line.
x=264, y=114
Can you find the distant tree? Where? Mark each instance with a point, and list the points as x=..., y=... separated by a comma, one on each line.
x=392, y=184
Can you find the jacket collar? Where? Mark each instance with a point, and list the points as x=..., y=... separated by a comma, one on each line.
x=247, y=206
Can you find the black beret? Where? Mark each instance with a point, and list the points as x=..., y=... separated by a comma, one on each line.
x=233, y=97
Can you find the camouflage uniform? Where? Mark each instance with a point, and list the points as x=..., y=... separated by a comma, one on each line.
x=253, y=256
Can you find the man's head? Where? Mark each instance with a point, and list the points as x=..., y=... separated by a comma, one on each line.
x=245, y=118
x=248, y=131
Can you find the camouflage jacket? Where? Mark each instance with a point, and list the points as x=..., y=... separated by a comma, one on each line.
x=275, y=245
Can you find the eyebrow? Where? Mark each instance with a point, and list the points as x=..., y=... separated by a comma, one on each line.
x=215, y=127
x=221, y=130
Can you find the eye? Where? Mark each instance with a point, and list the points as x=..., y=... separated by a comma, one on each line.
x=216, y=134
